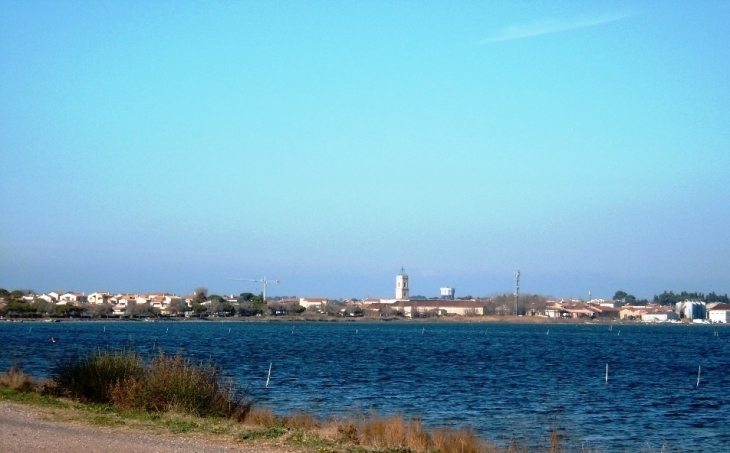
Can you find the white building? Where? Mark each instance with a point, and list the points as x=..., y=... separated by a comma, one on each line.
x=307, y=302
x=659, y=315
x=402, y=291
x=692, y=309
x=71, y=298
x=413, y=308
x=98, y=298
x=720, y=313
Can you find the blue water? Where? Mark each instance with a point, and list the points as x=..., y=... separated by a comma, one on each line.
x=506, y=381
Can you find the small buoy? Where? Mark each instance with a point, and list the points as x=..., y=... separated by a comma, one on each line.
x=53, y=340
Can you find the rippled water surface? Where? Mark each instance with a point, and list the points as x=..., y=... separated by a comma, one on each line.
x=506, y=381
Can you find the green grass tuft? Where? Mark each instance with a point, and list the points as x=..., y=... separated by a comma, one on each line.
x=166, y=383
x=270, y=432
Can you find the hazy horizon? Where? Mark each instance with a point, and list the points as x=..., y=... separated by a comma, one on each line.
x=166, y=146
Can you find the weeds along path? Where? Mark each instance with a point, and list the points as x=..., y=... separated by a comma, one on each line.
x=25, y=428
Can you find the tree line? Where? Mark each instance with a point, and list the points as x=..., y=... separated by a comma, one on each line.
x=671, y=298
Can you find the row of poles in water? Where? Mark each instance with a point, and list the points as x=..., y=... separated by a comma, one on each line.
x=268, y=377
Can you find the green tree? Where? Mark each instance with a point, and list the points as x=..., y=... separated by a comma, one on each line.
x=43, y=306
x=17, y=308
x=245, y=297
x=68, y=310
x=226, y=308
x=199, y=309
x=620, y=295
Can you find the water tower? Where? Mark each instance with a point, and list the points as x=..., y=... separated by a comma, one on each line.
x=448, y=293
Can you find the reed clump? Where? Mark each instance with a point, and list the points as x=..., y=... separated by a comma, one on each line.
x=167, y=383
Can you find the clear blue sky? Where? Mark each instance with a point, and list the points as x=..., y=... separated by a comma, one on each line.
x=162, y=146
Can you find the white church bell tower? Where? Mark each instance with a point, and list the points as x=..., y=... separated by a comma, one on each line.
x=402, y=292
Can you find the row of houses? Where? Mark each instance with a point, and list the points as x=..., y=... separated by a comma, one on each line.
x=696, y=311
x=120, y=303
x=690, y=310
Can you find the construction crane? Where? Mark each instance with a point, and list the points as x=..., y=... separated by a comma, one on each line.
x=264, y=280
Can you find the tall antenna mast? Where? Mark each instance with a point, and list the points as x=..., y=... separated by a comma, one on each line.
x=517, y=291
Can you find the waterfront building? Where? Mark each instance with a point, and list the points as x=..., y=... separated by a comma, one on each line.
x=719, y=313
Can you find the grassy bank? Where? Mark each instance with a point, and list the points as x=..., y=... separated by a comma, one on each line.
x=171, y=394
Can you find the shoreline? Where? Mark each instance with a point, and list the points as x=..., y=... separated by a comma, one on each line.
x=490, y=319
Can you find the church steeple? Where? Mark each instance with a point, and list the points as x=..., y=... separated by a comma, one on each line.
x=402, y=292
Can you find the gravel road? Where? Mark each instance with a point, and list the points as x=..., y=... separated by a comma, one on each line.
x=22, y=429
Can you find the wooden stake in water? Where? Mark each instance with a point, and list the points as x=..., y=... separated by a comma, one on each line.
x=606, y=373
x=699, y=369
x=269, y=376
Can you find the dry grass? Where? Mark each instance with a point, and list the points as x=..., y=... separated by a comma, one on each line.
x=302, y=420
x=260, y=416
x=459, y=441
x=16, y=379
x=393, y=432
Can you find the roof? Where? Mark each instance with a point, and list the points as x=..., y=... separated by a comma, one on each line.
x=720, y=307
x=440, y=303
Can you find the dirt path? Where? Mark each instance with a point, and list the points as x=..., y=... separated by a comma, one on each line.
x=23, y=429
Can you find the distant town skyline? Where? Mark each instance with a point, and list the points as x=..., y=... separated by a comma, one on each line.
x=162, y=147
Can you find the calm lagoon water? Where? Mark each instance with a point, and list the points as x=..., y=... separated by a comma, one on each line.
x=505, y=381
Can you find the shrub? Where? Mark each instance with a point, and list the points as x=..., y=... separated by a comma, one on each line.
x=98, y=377
x=166, y=383
x=176, y=383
